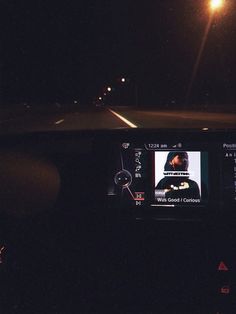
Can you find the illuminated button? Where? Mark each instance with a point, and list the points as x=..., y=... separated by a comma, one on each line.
x=2, y=249
x=139, y=196
x=225, y=290
x=222, y=267
x=123, y=178
x=126, y=145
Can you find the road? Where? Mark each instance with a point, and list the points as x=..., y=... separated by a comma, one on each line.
x=115, y=118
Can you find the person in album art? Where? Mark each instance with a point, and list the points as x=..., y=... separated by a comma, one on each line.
x=176, y=183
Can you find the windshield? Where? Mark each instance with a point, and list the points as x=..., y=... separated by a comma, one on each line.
x=113, y=64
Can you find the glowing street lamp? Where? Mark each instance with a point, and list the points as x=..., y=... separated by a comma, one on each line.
x=123, y=79
x=109, y=89
x=216, y=4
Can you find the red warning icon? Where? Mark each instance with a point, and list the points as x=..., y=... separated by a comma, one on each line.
x=222, y=267
x=225, y=290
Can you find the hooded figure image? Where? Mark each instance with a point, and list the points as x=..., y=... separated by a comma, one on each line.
x=176, y=182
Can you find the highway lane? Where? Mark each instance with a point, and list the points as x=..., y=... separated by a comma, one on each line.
x=116, y=118
x=177, y=119
x=91, y=120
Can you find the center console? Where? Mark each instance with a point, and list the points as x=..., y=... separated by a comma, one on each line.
x=177, y=173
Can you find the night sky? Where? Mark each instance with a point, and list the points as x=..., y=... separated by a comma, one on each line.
x=60, y=51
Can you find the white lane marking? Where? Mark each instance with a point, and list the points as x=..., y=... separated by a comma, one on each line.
x=123, y=119
x=59, y=121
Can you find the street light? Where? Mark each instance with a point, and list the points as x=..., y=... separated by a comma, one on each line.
x=216, y=4
x=126, y=80
x=109, y=89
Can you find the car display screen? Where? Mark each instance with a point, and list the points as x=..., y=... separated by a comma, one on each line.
x=173, y=174
x=181, y=177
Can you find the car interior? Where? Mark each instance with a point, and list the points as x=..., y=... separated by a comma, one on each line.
x=89, y=223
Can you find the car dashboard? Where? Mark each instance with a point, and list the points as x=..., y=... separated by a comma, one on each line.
x=100, y=221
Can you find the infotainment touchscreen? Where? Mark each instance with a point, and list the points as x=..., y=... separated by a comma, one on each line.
x=160, y=174
x=179, y=177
